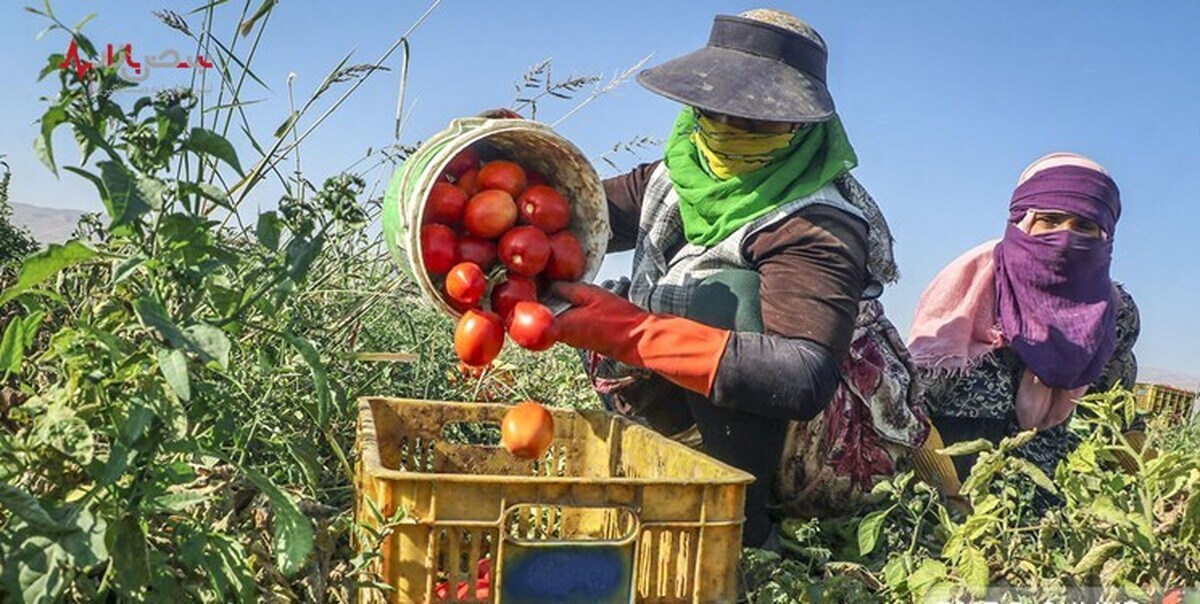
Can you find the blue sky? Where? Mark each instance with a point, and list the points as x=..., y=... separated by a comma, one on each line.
x=944, y=101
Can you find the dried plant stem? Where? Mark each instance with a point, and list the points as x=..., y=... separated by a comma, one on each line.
x=619, y=79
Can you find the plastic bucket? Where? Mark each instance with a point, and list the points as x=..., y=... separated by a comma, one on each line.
x=528, y=143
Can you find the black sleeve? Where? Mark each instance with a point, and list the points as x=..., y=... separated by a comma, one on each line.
x=624, y=195
x=788, y=378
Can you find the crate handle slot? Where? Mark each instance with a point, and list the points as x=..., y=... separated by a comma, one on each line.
x=535, y=525
x=477, y=434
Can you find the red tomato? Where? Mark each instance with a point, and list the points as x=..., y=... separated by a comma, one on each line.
x=445, y=204
x=504, y=175
x=439, y=248
x=515, y=289
x=567, y=261
x=465, y=283
x=527, y=430
x=489, y=214
x=469, y=181
x=524, y=250
x=531, y=326
x=465, y=160
x=544, y=208
x=478, y=337
x=479, y=251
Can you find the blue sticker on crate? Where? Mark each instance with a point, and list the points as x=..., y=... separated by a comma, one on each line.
x=566, y=574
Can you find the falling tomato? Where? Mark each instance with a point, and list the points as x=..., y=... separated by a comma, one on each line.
x=527, y=430
x=478, y=337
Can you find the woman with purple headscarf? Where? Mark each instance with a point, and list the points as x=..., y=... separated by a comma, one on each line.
x=1011, y=333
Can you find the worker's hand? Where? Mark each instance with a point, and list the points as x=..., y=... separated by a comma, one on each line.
x=681, y=350
x=599, y=320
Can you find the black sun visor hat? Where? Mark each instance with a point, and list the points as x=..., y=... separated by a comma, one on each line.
x=749, y=69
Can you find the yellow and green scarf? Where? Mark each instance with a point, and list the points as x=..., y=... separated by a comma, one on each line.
x=726, y=177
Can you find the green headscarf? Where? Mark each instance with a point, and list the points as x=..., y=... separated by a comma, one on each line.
x=713, y=208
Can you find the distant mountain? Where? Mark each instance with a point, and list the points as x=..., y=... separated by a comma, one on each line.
x=47, y=225
x=1178, y=379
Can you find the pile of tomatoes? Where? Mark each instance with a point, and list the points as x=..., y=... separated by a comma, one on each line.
x=495, y=234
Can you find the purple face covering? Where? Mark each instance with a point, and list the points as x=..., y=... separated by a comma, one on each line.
x=1054, y=295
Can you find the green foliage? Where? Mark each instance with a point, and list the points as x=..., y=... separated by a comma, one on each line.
x=15, y=242
x=1118, y=535
x=178, y=404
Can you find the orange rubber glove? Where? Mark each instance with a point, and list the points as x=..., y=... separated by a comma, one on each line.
x=681, y=350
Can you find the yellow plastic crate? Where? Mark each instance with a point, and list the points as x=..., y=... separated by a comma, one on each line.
x=1173, y=405
x=614, y=513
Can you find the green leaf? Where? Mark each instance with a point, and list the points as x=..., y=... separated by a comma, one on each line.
x=324, y=397
x=124, y=200
x=43, y=146
x=153, y=191
x=1034, y=473
x=973, y=568
x=180, y=502
x=12, y=348
x=208, y=191
x=130, y=554
x=1096, y=557
x=26, y=507
x=287, y=124
x=152, y=314
x=38, y=569
x=1017, y=440
x=173, y=364
x=869, y=529
x=967, y=447
x=210, y=341
x=72, y=436
x=225, y=562
x=293, y=532
x=263, y=10
x=982, y=472
x=208, y=142
x=895, y=573
x=930, y=572
x=1104, y=509
x=31, y=325
x=126, y=267
x=306, y=457
x=1191, y=519
x=300, y=255
x=85, y=543
x=53, y=61
x=48, y=263
x=268, y=229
